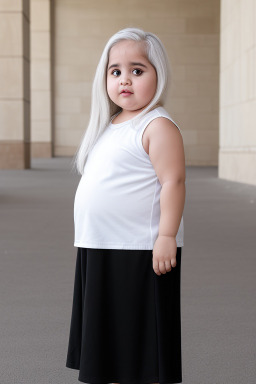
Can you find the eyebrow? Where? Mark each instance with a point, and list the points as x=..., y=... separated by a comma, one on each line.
x=133, y=63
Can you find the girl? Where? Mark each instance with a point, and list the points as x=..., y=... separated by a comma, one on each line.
x=125, y=322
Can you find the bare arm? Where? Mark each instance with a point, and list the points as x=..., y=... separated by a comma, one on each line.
x=172, y=201
x=166, y=152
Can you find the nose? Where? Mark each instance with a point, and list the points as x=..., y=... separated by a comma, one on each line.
x=124, y=80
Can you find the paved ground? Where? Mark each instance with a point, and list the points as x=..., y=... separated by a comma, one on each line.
x=38, y=263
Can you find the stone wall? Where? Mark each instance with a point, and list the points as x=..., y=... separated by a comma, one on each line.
x=42, y=69
x=15, y=84
x=189, y=30
x=237, y=156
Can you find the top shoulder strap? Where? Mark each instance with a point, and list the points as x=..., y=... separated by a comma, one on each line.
x=152, y=115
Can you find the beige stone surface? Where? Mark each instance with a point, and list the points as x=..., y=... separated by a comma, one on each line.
x=10, y=5
x=14, y=154
x=41, y=79
x=10, y=24
x=238, y=91
x=40, y=45
x=62, y=137
x=60, y=150
x=238, y=165
x=40, y=76
x=41, y=150
x=201, y=153
x=73, y=104
x=11, y=119
x=40, y=20
x=11, y=75
x=15, y=84
x=40, y=105
x=41, y=129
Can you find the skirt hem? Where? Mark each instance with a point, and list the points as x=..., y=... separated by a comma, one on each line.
x=84, y=379
x=109, y=380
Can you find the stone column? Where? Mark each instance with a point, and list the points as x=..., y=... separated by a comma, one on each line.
x=237, y=153
x=41, y=78
x=15, y=84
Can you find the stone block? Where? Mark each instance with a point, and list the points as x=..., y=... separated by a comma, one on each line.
x=41, y=150
x=202, y=25
x=40, y=15
x=11, y=120
x=11, y=5
x=232, y=166
x=11, y=75
x=40, y=105
x=71, y=105
x=41, y=130
x=11, y=25
x=40, y=75
x=14, y=155
x=40, y=45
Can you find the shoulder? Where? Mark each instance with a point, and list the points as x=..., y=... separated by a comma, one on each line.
x=160, y=133
x=163, y=123
x=165, y=148
x=162, y=126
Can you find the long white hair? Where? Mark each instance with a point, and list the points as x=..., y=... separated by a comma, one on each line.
x=102, y=107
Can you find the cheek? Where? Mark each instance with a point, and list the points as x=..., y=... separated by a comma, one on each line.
x=110, y=87
x=153, y=87
x=150, y=89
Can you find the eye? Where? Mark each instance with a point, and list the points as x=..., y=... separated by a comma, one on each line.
x=137, y=72
x=116, y=72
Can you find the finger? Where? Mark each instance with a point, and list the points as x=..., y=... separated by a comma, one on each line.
x=162, y=267
x=156, y=267
x=174, y=262
x=168, y=266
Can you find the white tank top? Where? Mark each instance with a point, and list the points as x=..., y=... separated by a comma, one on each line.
x=117, y=202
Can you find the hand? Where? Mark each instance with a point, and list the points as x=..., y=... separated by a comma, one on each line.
x=164, y=254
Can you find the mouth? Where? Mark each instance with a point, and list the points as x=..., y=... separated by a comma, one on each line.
x=126, y=92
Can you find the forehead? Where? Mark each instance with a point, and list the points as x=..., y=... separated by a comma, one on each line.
x=128, y=49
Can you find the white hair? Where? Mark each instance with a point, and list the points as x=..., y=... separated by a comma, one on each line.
x=102, y=107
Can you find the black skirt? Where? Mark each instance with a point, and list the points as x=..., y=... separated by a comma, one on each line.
x=126, y=320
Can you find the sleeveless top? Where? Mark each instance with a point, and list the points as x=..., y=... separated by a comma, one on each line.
x=117, y=202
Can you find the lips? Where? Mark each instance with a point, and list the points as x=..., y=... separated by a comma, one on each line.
x=126, y=92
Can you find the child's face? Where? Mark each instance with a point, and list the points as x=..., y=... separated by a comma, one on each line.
x=131, y=78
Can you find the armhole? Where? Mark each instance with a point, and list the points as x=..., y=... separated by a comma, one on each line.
x=142, y=130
